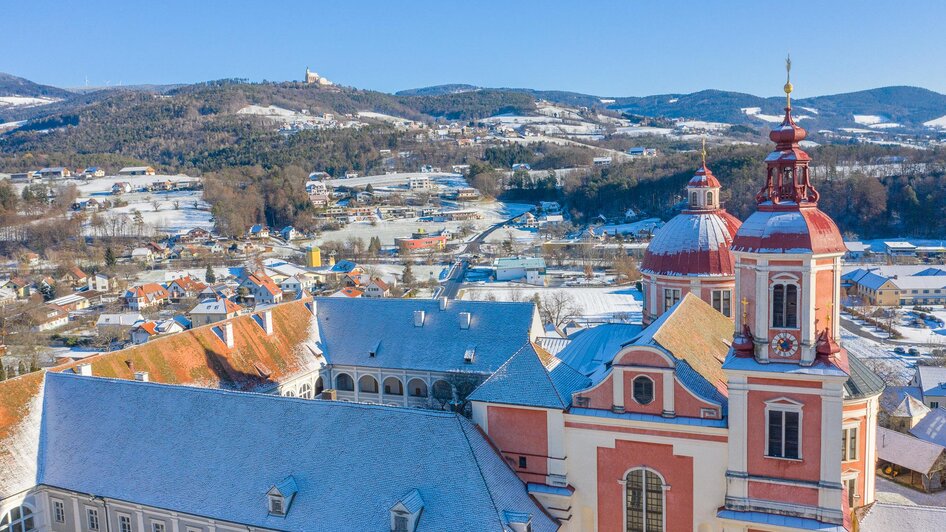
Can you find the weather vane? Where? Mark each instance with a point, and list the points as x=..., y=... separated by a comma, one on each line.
x=788, y=81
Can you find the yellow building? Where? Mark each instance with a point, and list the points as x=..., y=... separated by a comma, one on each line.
x=313, y=257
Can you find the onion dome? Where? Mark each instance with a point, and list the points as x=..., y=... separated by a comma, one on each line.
x=695, y=242
x=787, y=219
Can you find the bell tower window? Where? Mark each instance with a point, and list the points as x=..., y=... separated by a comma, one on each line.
x=785, y=306
x=709, y=199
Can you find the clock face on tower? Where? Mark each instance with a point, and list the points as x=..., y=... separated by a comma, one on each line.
x=785, y=344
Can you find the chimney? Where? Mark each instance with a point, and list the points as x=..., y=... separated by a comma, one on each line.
x=84, y=369
x=418, y=318
x=227, y=330
x=328, y=395
x=443, y=303
x=268, y=322
x=141, y=376
x=465, y=318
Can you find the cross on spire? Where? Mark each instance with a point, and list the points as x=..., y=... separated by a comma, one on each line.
x=745, y=306
x=788, y=81
x=703, y=151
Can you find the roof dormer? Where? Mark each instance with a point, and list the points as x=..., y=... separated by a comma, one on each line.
x=280, y=496
x=405, y=514
x=517, y=521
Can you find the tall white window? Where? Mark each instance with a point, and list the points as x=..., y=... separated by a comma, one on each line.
x=783, y=433
x=671, y=297
x=849, y=443
x=722, y=301
x=59, y=511
x=851, y=485
x=785, y=306
x=644, y=501
x=92, y=518
x=124, y=523
x=158, y=526
x=19, y=519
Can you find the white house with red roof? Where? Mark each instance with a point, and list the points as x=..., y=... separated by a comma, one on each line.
x=145, y=296
x=264, y=290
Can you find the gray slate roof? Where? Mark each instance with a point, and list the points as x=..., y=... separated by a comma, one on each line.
x=885, y=517
x=907, y=451
x=591, y=348
x=217, y=453
x=527, y=380
x=932, y=380
x=351, y=329
x=862, y=382
x=932, y=427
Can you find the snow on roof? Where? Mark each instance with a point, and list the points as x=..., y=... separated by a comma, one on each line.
x=932, y=380
x=884, y=517
x=907, y=451
x=899, y=245
x=123, y=319
x=526, y=263
x=932, y=427
x=694, y=332
x=894, y=396
x=216, y=306
x=693, y=243
x=532, y=377
x=211, y=461
x=862, y=382
x=856, y=247
x=591, y=348
x=350, y=328
x=789, y=230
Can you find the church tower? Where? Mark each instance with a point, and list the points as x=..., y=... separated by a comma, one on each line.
x=786, y=373
x=690, y=254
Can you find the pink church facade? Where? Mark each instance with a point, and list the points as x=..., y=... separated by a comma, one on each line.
x=753, y=421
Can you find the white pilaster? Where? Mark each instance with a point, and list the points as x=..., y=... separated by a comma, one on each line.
x=617, y=393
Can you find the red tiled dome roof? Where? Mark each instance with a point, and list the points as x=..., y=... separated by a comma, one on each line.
x=789, y=230
x=694, y=243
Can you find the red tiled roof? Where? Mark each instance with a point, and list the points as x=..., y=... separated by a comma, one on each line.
x=265, y=281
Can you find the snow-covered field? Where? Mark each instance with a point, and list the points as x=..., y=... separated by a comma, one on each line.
x=395, y=179
x=756, y=112
x=868, y=120
x=387, y=230
x=936, y=122
x=25, y=101
x=593, y=303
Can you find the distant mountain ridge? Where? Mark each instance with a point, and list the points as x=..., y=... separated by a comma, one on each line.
x=904, y=105
x=11, y=85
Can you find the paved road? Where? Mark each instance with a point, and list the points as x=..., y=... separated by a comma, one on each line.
x=451, y=287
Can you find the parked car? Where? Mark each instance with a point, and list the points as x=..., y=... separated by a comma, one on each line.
x=913, y=351
x=899, y=350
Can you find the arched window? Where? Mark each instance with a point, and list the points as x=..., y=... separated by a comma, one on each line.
x=344, y=382
x=368, y=384
x=305, y=391
x=417, y=388
x=392, y=386
x=693, y=198
x=709, y=198
x=644, y=491
x=19, y=519
x=785, y=306
x=643, y=389
x=319, y=386
x=290, y=393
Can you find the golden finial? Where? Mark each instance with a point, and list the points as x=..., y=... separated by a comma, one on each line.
x=703, y=151
x=788, y=81
x=828, y=317
x=745, y=312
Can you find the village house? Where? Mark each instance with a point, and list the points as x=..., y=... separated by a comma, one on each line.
x=530, y=270
x=142, y=255
x=258, y=231
x=47, y=318
x=117, y=325
x=56, y=172
x=214, y=310
x=420, y=182
x=420, y=240
x=136, y=170
x=23, y=177
x=101, y=282
x=71, y=303
x=377, y=288
x=897, y=285
x=92, y=171
x=121, y=187
x=348, y=291
x=21, y=286
x=148, y=330
x=262, y=288
x=289, y=233
x=145, y=296
x=185, y=288
x=196, y=234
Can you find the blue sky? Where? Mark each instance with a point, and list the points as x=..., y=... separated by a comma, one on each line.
x=606, y=48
